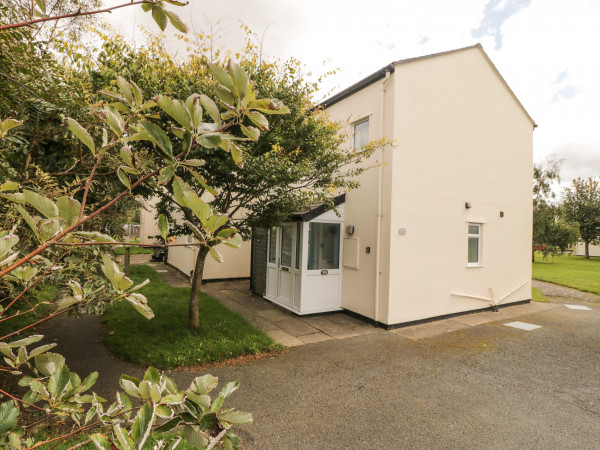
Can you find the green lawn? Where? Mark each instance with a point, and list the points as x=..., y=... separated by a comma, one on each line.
x=134, y=250
x=538, y=296
x=165, y=342
x=571, y=271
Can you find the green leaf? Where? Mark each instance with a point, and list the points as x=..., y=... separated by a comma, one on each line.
x=197, y=205
x=123, y=438
x=237, y=417
x=179, y=187
x=140, y=303
x=231, y=441
x=168, y=425
x=234, y=242
x=23, y=342
x=143, y=425
x=114, y=121
x=48, y=229
x=209, y=140
x=229, y=388
x=101, y=441
x=159, y=16
x=90, y=381
x=204, y=384
x=58, y=381
x=215, y=255
x=259, y=120
x=159, y=137
x=147, y=6
x=213, y=223
x=202, y=181
x=236, y=154
x=176, y=109
x=176, y=22
x=251, y=132
x=194, y=162
x=221, y=75
x=225, y=94
x=6, y=243
x=48, y=363
x=94, y=236
x=240, y=79
x=82, y=134
x=68, y=210
x=9, y=414
x=126, y=155
x=41, y=349
x=269, y=106
x=8, y=124
x=123, y=178
x=166, y=173
x=115, y=274
x=9, y=186
x=130, y=385
x=137, y=93
x=163, y=226
x=43, y=205
x=211, y=108
x=125, y=89
x=164, y=412
x=194, y=109
x=29, y=220
x=152, y=375
x=194, y=436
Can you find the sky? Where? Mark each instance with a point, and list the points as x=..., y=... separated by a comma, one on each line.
x=548, y=51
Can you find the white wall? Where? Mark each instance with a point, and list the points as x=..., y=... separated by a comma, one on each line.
x=460, y=137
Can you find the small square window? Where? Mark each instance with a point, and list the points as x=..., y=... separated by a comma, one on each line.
x=474, y=245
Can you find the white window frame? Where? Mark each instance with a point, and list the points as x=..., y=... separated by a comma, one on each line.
x=356, y=124
x=478, y=236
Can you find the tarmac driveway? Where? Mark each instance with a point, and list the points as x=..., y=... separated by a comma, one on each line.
x=484, y=386
x=487, y=386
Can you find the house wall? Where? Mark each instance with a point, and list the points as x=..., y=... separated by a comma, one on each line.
x=359, y=281
x=580, y=249
x=236, y=261
x=461, y=137
x=148, y=223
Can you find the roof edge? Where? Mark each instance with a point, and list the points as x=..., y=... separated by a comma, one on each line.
x=316, y=212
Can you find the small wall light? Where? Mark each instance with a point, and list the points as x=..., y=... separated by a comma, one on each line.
x=350, y=229
x=501, y=213
x=467, y=205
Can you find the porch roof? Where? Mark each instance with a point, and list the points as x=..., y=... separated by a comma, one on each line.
x=316, y=209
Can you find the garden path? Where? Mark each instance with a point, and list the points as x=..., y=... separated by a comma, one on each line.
x=562, y=294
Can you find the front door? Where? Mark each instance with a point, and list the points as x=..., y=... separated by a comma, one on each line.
x=287, y=263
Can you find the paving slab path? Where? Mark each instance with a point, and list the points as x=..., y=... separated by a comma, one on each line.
x=563, y=294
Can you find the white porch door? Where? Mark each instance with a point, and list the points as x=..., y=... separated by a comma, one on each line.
x=287, y=263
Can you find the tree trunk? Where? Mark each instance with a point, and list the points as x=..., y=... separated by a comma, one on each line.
x=587, y=249
x=194, y=317
x=127, y=260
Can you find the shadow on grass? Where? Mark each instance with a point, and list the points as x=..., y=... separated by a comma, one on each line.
x=165, y=341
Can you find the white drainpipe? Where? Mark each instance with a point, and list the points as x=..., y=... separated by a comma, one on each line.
x=379, y=190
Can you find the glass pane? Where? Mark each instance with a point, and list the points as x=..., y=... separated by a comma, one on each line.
x=273, y=245
x=473, y=229
x=361, y=134
x=287, y=231
x=323, y=246
x=298, y=234
x=473, y=250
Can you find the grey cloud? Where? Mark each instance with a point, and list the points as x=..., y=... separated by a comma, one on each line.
x=565, y=93
x=561, y=76
x=579, y=161
x=494, y=16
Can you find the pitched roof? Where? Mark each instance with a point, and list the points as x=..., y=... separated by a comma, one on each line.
x=390, y=68
x=316, y=209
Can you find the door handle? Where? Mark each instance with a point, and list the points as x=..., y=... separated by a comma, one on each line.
x=287, y=269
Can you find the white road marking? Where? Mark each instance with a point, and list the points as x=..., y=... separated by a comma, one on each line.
x=581, y=307
x=522, y=325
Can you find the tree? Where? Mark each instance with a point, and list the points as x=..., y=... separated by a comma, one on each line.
x=35, y=248
x=582, y=205
x=552, y=232
x=298, y=159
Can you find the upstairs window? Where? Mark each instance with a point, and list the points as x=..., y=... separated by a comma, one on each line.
x=361, y=134
x=474, y=246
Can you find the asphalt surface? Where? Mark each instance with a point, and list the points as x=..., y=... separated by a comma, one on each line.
x=487, y=386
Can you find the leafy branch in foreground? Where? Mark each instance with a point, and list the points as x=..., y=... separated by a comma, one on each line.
x=29, y=255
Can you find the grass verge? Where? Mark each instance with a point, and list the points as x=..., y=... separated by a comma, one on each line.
x=134, y=250
x=538, y=296
x=569, y=270
x=165, y=342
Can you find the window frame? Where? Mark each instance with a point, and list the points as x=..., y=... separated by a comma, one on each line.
x=477, y=236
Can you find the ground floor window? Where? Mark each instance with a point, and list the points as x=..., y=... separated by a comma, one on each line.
x=323, y=246
x=474, y=246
